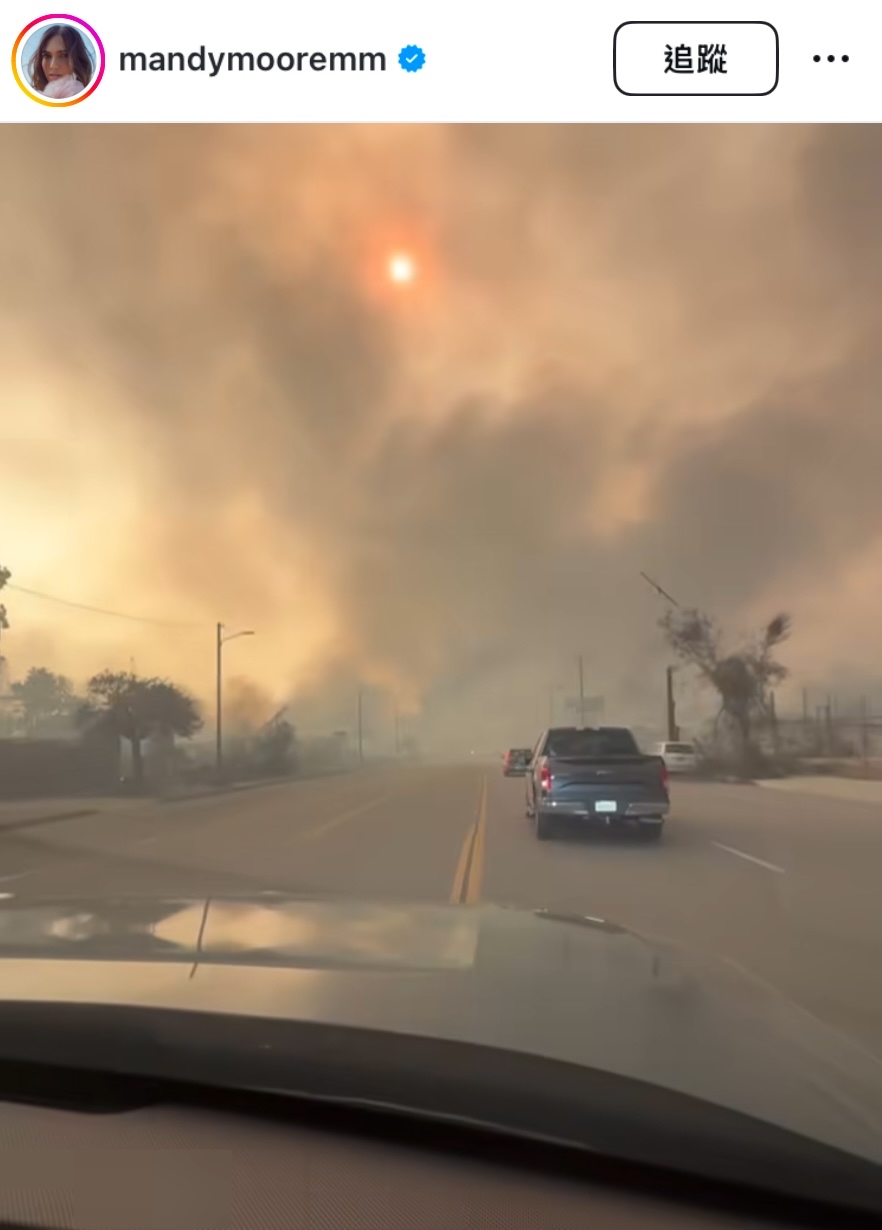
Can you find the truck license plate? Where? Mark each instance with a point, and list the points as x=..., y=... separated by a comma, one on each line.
x=604, y=805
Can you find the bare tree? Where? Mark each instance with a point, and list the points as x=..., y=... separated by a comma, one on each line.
x=742, y=679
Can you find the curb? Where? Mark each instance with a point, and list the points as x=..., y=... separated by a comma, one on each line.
x=242, y=787
x=235, y=788
x=33, y=821
x=212, y=793
x=725, y=781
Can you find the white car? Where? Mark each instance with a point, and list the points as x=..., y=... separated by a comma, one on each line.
x=679, y=757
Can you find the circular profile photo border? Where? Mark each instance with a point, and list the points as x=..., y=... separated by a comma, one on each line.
x=32, y=94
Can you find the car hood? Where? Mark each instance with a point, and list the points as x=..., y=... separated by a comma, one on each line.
x=565, y=987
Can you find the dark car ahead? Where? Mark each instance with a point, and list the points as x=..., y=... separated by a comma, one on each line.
x=599, y=777
x=516, y=761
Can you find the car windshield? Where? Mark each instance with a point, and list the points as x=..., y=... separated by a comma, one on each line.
x=590, y=744
x=335, y=457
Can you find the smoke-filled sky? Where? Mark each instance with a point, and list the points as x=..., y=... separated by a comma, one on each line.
x=626, y=349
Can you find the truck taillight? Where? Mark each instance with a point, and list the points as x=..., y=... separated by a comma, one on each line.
x=545, y=777
x=664, y=774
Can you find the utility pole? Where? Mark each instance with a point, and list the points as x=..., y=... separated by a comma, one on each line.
x=360, y=744
x=397, y=739
x=673, y=728
x=773, y=723
x=581, y=693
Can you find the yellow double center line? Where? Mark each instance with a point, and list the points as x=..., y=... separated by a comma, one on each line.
x=470, y=868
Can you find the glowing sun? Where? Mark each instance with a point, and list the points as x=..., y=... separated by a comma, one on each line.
x=401, y=268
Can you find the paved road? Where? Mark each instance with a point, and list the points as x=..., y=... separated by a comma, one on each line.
x=784, y=884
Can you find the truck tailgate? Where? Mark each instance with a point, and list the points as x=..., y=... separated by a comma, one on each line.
x=625, y=780
x=625, y=771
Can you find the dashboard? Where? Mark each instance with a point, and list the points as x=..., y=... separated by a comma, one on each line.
x=178, y=1168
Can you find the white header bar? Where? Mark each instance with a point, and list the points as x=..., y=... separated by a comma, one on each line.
x=391, y=61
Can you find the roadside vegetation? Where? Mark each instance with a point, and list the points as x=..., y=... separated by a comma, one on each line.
x=743, y=679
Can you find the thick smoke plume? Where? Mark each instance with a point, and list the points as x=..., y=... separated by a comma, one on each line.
x=628, y=349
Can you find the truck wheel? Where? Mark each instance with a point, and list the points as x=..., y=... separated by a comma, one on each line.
x=651, y=832
x=543, y=827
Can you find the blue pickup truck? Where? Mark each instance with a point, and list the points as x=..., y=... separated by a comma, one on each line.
x=598, y=777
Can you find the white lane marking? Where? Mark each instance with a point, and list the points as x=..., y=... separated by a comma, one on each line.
x=750, y=858
x=20, y=875
x=6, y=896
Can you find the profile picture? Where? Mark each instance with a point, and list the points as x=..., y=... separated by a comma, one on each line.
x=58, y=60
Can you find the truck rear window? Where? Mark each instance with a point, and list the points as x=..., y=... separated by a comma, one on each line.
x=590, y=744
x=680, y=749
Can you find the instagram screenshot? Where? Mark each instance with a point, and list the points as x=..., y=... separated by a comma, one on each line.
x=440, y=685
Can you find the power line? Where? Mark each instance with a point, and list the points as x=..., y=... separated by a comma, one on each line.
x=98, y=610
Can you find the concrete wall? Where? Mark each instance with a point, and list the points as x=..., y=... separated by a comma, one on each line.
x=35, y=768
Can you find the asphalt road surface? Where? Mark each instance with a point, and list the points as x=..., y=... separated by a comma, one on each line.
x=784, y=885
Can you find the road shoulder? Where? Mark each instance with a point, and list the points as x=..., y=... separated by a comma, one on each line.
x=852, y=789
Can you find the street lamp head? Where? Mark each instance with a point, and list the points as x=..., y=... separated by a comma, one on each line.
x=234, y=635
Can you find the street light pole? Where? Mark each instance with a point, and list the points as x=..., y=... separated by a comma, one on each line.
x=581, y=694
x=360, y=747
x=219, y=743
x=220, y=641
